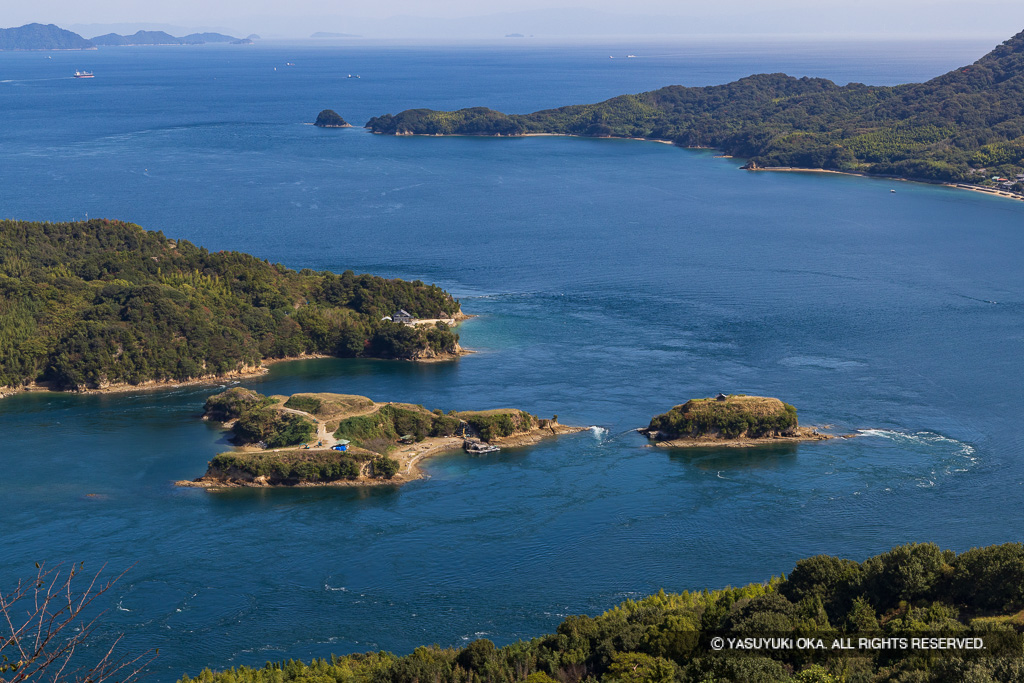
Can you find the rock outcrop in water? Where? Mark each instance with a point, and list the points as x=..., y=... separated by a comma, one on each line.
x=329, y=118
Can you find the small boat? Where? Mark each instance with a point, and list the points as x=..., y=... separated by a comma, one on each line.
x=289, y=64
x=630, y=56
x=478, y=447
x=893, y=191
x=84, y=74
x=358, y=76
x=350, y=75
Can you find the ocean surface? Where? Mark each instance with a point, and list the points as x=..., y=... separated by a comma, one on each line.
x=611, y=279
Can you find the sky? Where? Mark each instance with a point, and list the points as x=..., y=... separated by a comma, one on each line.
x=469, y=19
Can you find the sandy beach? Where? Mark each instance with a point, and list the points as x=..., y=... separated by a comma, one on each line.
x=959, y=186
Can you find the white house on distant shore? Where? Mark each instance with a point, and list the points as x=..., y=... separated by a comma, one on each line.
x=402, y=316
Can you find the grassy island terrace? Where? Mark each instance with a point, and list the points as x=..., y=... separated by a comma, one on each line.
x=106, y=305
x=339, y=439
x=733, y=420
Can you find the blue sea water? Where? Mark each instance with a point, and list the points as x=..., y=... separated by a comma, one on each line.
x=611, y=279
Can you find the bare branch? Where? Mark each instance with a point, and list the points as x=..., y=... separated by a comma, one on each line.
x=40, y=643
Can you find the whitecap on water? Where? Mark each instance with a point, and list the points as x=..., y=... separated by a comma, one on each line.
x=924, y=438
x=820, y=362
x=945, y=455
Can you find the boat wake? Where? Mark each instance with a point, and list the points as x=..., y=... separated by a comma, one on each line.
x=924, y=439
x=953, y=456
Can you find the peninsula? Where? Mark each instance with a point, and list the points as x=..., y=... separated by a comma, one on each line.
x=344, y=440
x=965, y=127
x=733, y=420
x=106, y=305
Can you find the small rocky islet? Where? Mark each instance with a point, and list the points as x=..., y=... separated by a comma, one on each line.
x=328, y=118
x=734, y=420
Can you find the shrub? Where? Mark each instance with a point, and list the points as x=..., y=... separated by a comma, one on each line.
x=231, y=404
x=385, y=467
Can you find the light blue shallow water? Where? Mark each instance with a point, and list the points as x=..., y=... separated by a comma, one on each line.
x=612, y=279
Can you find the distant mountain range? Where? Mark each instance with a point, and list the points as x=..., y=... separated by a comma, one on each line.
x=52, y=37
x=162, y=38
x=42, y=37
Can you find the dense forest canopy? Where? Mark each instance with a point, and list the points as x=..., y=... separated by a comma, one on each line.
x=89, y=303
x=967, y=125
x=913, y=591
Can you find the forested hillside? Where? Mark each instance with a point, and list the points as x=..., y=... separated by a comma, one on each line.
x=90, y=303
x=913, y=591
x=967, y=125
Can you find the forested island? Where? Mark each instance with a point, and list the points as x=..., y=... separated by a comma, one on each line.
x=340, y=439
x=912, y=591
x=966, y=126
x=42, y=37
x=733, y=420
x=101, y=304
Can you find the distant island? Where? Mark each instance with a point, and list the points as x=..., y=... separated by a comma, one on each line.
x=329, y=118
x=338, y=439
x=733, y=420
x=163, y=38
x=42, y=37
x=106, y=305
x=965, y=127
x=514, y=35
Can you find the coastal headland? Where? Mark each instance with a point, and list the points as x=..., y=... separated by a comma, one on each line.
x=734, y=421
x=106, y=306
x=913, y=131
x=328, y=439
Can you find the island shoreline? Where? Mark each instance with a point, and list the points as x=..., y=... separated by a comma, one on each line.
x=877, y=176
x=246, y=372
x=803, y=435
x=778, y=169
x=410, y=464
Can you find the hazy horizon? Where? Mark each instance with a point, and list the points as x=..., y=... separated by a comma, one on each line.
x=541, y=19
